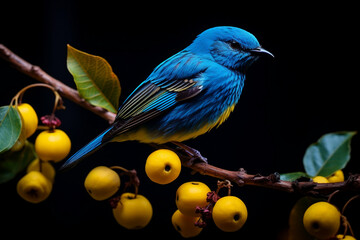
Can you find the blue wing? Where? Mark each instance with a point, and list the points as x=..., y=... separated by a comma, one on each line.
x=174, y=80
x=174, y=75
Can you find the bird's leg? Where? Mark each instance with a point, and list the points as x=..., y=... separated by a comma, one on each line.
x=188, y=155
x=193, y=154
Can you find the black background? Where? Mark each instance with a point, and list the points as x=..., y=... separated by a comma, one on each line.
x=310, y=88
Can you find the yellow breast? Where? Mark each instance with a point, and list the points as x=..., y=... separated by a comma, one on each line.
x=143, y=135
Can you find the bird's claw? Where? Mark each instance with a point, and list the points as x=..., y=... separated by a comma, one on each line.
x=194, y=155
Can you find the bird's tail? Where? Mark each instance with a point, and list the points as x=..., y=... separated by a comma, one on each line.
x=85, y=151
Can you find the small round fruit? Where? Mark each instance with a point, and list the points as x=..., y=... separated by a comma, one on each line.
x=133, y=213
x=52, y=145
x=185, y=225
x=347, y=237
x=34, y=187
x=19, y=144
x=337, y=176
x=29, y=117
x=46, y=168
x=320, y=179
x=102, y=182
x=191, y=195
x=229, y=213
x=163, y=166
x=322, y=220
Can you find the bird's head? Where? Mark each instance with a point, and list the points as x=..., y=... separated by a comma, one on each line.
x=231, y=47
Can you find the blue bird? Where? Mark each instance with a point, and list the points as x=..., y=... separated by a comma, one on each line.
x=185, y=96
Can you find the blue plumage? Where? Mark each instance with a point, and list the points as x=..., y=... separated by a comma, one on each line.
x=95, y=144
x=186, y=95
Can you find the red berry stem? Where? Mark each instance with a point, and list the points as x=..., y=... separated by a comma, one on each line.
x=206, y=212
x=51, y=121
x=114, y=201
x=212, y=198
x=133, y=178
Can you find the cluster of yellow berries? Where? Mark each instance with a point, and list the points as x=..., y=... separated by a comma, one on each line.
x=322, y=220
x=197, y=204
x=132, y=211
x=192, y=199
x=51, y=145
x=337, y=176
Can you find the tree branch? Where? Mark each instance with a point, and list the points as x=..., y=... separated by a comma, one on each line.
x=64, y=90
x=273, y=181
x=239, y=177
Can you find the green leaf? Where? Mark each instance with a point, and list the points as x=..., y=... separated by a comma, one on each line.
x=11, y=163
x=329, y=154
x=10, y=127
x=292, y=176
x=94, y=79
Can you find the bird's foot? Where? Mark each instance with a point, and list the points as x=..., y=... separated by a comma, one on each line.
x=193, y=155
x=188, y=155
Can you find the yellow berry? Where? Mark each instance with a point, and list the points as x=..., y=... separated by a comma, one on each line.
x=46, y=168
x=191, y=195
x=185, y=225
x=320, y=179
x=52, y=145
x=133, y=212
x=34, y=187
x=337, y=176
x=322, y=220
x=29, y=119
x=229, y=213
x=347, y=237
x=163, y=166
x=102, y=182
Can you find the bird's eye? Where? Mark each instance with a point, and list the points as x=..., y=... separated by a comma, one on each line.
x=235, y=45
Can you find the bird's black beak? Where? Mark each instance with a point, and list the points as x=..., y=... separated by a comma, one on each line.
x=261, y=51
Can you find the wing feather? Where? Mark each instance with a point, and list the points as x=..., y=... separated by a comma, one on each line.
x=174, y=80
x=139, y=98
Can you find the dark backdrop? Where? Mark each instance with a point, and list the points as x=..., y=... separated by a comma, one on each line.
x=309, y=89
